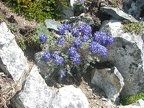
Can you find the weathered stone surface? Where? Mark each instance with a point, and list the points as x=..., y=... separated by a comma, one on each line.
x=117, y=14
x=52, y=24
x=69, y=97
x=134, y=7
x=12, y=59
x=126, y=53
x=73, y=2
x=110, y=80
x=67, y=13
x=36, y=94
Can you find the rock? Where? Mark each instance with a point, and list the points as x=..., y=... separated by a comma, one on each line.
x=52, y=24
x=12, y=59
x=126, y=53
x=82, y=18
x=110, y=80
x=134, y=8
x=67, y=12
x=73, y=2
x=138, y=104
x=36, y=94
x=70, y=97
x=118, y=14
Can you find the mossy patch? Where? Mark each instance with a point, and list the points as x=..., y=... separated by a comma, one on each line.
x=37, y=9
x=135, y=27
x=131, y=99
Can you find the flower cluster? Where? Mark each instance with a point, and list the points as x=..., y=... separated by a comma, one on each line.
x=73, y=52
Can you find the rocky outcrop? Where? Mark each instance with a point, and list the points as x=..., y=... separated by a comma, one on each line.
x=126, y=53
x=134, y=8
x=12, y=59
x=117, y=14
x=110, y=80
x=36, y=94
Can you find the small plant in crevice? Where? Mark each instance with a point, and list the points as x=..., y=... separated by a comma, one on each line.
x=135, y=27
x=32, y=41
x=73, y=48
x=131, y=99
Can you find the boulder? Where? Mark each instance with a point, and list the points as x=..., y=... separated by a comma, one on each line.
x=36, y=94
x=134, y=7
x=117, y=13
x=126, y=54
x=12, y=59
x=70, y=97
x=110, y=81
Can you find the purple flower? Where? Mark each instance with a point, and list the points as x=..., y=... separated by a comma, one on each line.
x=62, y=73
x=55, y=54
x=96, y=48
x=76, y=60
x=77, y=43
x=85, y=29
x=58, y=60
x=46, y=56
x=85, y=38
x=81, y=1
x=43, y=38
x=67, y=27
x=61, y=30
x=60, y=41
x=102, y=38
x=75, y=32
x=72, y=52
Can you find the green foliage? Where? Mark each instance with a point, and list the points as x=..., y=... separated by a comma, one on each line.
x=22, y=43
x=33, y=41
x=1, y=17
x=38, y=9
x=135, y=27
x=131, y=99
x=114, y=3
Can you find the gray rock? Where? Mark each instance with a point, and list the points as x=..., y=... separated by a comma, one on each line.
x=117, y=14
x=70, y=97
x=134, y=8
x=52, y=24
x=12, y=59
x=126, y=53
x=67, y=12
x=36, y=94
x=110, y=80
x=73, y=2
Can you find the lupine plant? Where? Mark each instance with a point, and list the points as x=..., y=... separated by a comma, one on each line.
x=74, y=48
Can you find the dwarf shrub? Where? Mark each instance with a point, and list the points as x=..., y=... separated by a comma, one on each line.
x=74, y=48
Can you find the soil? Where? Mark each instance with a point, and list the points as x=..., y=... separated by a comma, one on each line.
x=19, y=26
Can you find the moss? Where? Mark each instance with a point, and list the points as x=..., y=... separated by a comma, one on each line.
x=135, y=27
x=131, y=99
x=38, y=9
